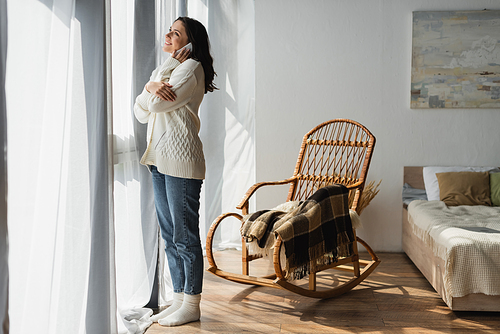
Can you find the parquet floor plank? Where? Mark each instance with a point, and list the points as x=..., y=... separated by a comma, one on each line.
x=395, y=298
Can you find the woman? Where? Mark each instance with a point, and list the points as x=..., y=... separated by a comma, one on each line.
x=169, y=104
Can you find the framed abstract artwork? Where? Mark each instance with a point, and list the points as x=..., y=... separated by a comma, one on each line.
x=456, y=59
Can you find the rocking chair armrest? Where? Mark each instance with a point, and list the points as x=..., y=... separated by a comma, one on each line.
x=358, y=188
x=356, y=185
x=256, y=186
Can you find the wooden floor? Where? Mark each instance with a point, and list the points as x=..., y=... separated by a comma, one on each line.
x=396, y=298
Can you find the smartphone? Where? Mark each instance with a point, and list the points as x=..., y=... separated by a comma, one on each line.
x=188, y=46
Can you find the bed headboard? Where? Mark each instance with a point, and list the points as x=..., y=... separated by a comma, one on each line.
x=414, y=177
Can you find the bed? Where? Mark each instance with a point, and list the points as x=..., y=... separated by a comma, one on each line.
x=459, y=253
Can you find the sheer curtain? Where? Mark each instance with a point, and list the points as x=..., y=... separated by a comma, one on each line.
x=134, y=56
x=227, y=115
x=79, y=261
x=4, y=246
x=61, y=261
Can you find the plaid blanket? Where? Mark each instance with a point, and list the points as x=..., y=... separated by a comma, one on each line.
x=318, y=229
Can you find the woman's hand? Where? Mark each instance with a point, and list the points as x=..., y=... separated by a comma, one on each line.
x=183, y=55
x=161, y=89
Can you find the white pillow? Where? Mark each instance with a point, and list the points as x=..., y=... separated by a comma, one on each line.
x=431, y=182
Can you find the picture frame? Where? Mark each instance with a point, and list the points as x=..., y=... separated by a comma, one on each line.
x=455, y=59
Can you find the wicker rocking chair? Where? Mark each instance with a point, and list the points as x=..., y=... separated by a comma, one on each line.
x=338, y=151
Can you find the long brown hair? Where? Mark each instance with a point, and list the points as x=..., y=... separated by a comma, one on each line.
x=198, y=37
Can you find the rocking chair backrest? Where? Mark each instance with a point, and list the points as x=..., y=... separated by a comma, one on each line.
x=337, y=151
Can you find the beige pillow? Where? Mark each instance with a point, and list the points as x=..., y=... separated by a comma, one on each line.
x=464, y=188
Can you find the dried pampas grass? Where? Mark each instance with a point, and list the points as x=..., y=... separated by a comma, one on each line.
x=369, y=192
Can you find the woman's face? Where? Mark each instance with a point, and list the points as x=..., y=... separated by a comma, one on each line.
x=176, y=38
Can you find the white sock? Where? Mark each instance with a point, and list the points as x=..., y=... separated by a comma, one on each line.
x=176, y=304
x=189, y=312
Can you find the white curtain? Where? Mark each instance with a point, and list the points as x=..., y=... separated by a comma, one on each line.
x=62, y=277
x=134, y=56
x=80, y=262
x=4, y=245
x=227, y=115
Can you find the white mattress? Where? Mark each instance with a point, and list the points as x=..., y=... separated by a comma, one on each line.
x=467, y=238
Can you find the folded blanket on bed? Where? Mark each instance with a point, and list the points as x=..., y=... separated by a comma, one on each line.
x=318, y=229
x=467, y=238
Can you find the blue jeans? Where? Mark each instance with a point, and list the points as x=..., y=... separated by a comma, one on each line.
x=177, y=202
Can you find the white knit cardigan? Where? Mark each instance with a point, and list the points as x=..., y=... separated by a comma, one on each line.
x=174, y=145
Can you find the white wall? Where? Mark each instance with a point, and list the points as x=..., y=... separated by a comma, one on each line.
x=323, y=59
